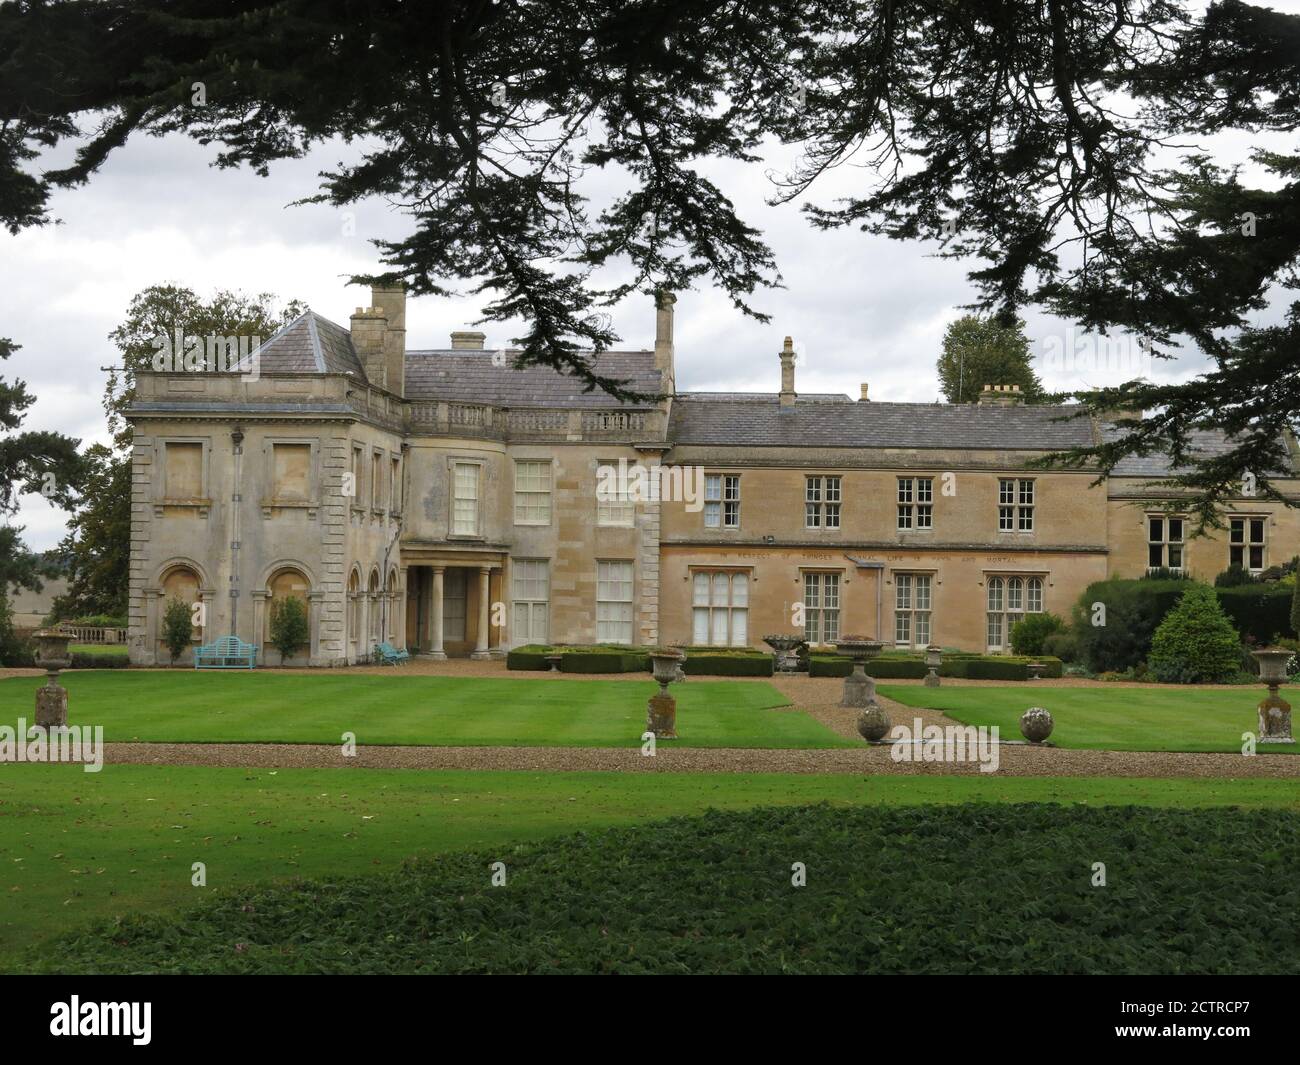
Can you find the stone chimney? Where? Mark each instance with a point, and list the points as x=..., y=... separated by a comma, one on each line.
x=787, y=373
x=1001, y=396
x=863, y=397
x=369, y=324
x=467, y=340
x=664, y=339
x=391, y=299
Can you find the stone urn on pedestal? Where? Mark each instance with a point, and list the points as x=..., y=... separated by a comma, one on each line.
x=52, y=698
x=786, y=651
x=661, y=711
x=1274, y=711
x=933, y=660
x=859, y=689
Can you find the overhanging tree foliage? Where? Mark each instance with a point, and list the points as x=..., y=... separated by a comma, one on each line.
x=1041, y=138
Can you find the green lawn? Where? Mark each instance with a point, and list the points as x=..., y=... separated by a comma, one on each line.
x=100, y=650
x=1176, y=718
x=189, y=707
x=76, y=846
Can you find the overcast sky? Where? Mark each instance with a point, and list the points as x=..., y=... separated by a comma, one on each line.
x=860, y=309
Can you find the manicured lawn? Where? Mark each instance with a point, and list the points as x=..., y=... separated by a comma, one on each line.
x=1115, y=719
x=979, y=888
x=100, y=650
x=244, y=707
x=76, y=846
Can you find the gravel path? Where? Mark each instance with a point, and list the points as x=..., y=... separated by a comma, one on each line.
x=1016, y=761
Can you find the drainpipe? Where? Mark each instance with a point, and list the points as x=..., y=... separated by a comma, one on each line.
x=236, y=501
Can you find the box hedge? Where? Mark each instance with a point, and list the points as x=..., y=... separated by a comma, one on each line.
x=717, y=663
x=971, y=666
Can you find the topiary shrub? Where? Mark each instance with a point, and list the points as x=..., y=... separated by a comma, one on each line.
x=1063, y=645
x=177, y=627
x=1196, y=643
x=1029, y=635
x=289, y=629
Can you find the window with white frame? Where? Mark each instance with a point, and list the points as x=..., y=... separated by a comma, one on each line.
x=1015, y=505
x=1164, y=542
x=395, y=485
x=464, y=499
x=1009, y=599
x=721, y=501
x=531, y=600
x=1246, y=543
x=821, y=607
x=532, y=492
x=912, y=608
x=613, y=499
x=916, y=502
x=822, y=503
x=720, y=609
x=613, y=602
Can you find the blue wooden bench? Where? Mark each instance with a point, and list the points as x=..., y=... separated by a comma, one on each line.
x=389, y=654
x=227, y=652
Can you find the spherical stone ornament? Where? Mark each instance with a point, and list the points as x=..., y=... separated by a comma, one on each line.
x=1036, y=724
x=873, y=723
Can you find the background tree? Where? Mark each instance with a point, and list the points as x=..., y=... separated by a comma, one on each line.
x=97, y=546
x=30, y=462
x=289, y=629
x=982, y=351
x=178, y=627
x=1043, y=139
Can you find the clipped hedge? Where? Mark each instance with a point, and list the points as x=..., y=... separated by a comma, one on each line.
x=722, y=664
x=82, y=660
x=530, y=656
x=1258, y=611
x=970, y=666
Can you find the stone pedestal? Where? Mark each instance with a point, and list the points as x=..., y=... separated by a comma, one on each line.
x=932, y=678
x=661, y=716
x=1274, y=711
x=1275, y=720
x=51, y=705
x=859, y=689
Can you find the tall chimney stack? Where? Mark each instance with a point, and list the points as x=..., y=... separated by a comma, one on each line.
x=787, y=373
x=664, y=339
x=391, y=299
x=369, y=324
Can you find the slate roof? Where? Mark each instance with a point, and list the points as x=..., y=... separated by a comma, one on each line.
x=461, y=376
x=758, y=420
x=310, y=344
x=1205, y=443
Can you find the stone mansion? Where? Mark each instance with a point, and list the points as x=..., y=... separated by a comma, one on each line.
x=447, y=502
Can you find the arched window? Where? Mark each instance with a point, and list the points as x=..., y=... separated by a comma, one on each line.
x=375, y=606
x=996, y=619
x=354, y=610
x=391, y=608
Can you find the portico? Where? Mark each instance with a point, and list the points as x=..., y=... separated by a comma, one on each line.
x=449, y=606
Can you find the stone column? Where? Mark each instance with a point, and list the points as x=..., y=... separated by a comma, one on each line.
x=435, y=613
x=484, y=613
